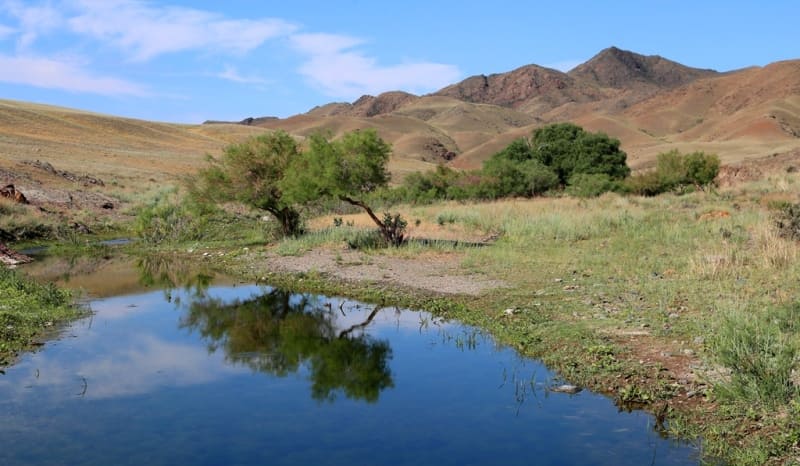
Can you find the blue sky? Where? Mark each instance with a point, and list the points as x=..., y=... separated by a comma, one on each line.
x=188, y=61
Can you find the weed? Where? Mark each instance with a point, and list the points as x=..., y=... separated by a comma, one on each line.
x=27, y=309
x=758, y=348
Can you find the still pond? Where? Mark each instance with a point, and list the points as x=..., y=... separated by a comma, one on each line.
x=219, y=373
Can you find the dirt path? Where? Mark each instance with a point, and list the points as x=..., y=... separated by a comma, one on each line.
x=437, y=272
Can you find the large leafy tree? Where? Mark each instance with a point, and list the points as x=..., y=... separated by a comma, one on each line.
x=551, y=157
x=250, y=173
x=568, y=149
x=348, y=169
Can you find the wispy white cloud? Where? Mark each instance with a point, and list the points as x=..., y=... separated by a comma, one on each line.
x=34, y=20
x=141, y=31
x=64, y=75
x=230, y=73
x=341, y=71
x=146, y=31
x=564, y=65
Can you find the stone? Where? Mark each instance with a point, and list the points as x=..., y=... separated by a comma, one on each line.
x=566, y=388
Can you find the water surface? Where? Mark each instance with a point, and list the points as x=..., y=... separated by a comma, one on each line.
x=241, y=375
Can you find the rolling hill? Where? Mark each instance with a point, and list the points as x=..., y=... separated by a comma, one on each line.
x=650, y=103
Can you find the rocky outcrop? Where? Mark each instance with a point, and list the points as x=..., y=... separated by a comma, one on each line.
x=86, y=180
x=9, y=257
x=10, y=192
x=515, y=88
x=621, y=69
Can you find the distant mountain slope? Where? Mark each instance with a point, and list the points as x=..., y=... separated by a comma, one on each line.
x=621, y=69
x=519, y=87
x=650, y=103
x=104, y=145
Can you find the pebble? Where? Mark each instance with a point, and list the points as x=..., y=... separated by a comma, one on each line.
x=688, y=352
x=566, y=388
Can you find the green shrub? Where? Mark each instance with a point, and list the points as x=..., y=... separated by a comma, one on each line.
x=701, y=169
x=508, y=177
x=760, y=349
x=170, y=218
x=366, y=239
x=591, y=185
x=675, y=172
x=568, y=149
x=644, y=184
x=787, y=220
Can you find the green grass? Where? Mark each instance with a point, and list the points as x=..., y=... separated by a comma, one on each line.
x=27, y=309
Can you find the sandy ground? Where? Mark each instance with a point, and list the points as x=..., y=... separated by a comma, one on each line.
x=436, y=272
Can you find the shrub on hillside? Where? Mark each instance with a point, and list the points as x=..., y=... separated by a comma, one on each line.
x=550, y=158
x=568, y=149
x=787, y=220
x=509, y=177
x=676, y=172
x=591, y=185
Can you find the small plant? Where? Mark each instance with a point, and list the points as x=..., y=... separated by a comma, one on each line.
x=760, y=352
x=446, y=218
x=395, y=226
x=787, y=220
x=591, y=185
x=634, y=394
x=366, y=239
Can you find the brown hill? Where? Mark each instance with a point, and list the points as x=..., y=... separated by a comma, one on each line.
x=622, y=69
x=534, y=87
x=650, y=103
x=367, y=106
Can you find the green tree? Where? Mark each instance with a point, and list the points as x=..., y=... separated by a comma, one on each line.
x=278, y=332
x=701, y=168
x=552, y=156
x=568, y=149
x=347, y=169
x=250, y=173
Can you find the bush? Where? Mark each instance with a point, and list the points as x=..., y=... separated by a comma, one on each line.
x=443, y=183
x=591, y=185
x=166, y=220
x=760, y=350
x=568, y=150
x=170, y=218
x=701, y=169
x=787, y=220
x=508, y=177
x=366, y=239
x=676, y=172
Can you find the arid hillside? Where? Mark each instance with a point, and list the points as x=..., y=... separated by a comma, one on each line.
x=650, y=103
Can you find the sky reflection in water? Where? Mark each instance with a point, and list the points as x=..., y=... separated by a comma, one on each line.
x=182, y=377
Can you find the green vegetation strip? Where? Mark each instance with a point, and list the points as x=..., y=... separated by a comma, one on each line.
x=27, y=310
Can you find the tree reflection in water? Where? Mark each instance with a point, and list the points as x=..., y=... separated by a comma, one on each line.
x=279, y=332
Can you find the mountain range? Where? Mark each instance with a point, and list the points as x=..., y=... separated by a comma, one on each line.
x=651, y=104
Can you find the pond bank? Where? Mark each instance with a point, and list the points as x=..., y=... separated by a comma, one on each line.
x=28, y=311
